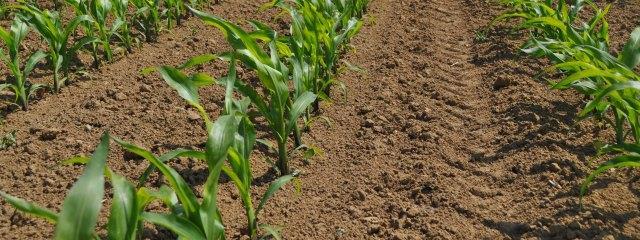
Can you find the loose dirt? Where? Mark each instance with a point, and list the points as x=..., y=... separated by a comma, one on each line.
x=444, y=135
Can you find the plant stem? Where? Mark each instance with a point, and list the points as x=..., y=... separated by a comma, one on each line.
x=94, y=52
x=619, y=127
x=107, y=51
x=252, y=224
x=283, y=164
x=297, y=136
x=22, y=99
x=56, y=82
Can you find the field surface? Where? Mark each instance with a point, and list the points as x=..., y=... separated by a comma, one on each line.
x=442, y=135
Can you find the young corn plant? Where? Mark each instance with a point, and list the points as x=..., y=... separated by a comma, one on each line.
x=628, y=157
x=121, y=12
x=581, y=52
x=279, y=105
x=613, y=87
x=173, y=12
x=18, y=80
x=558, y=24
x=189, y=218
x=51, y=29
x=319, y=31
x=100, y=11
x=79, y=213
x=147, y=18
x=82, y=7
x=241, y=143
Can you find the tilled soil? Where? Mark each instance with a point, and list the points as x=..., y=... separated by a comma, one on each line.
x=444, y=135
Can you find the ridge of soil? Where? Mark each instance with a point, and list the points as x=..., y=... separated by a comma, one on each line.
x=441, y=137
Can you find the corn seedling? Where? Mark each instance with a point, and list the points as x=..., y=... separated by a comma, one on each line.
x=581, y=52
x=628, y=157
x=49, y=26
x=239, y=169
x=319, y=31
x=80, y=209
x=147, y=18
x=242, y=142
x=280, y=107
x=189, y=218
x=121, y=12
x=81, y=7
x=174, y=10
x=559, y=25
x=18, y=81
x=84, y=199
x=100, y=11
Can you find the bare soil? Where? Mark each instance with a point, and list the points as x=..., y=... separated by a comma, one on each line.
x=443, y=136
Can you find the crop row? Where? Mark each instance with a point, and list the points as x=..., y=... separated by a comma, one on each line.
x=296, y=71
x=97, y=26
x=577, y=44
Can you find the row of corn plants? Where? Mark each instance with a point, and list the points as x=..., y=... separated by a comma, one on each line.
x=230, y=138
x=578, y=46
x=101, y=23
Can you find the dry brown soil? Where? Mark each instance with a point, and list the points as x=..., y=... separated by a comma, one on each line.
x=442, y=136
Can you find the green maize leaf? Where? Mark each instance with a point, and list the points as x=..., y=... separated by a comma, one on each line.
x=630, y=55
x=246, y=142
x=30, y=208
x=219, y=138
x=271, y=231
x=168, y=156
x=209, y=213
x=603, y=56
x=42, y=21
x=7, y=38
x=546, y=21
x=80, y=209
x=617, y=162
x=238, y=38
x=5, y=85
x=179, y=225
x=117, y=24
x=240, y=171
x=273, y=188
x=588, y=73
x=76, y=160
x=249, y=52
x=198, y=60
x=164, y=194
x=585, y=87
x=83, y=42
x=202, y=79
x=233, y=176
x=186, y=88
x=508, y=16
x=183, y=190
x=607, y=92
x=32, y=61
x=73, y=24
x=123, y=220
x=230, y=86
x=262, y=32
x=257, y=100
x=575, y=65
x=301, y=104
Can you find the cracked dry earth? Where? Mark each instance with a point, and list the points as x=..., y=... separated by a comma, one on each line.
x=441, y=137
